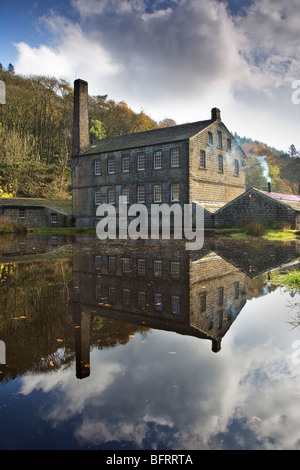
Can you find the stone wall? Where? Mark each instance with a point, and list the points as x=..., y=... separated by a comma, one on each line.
x=35, y=217
x=208, y=182
x=253, y=206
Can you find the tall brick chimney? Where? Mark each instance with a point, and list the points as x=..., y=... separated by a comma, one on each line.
x=215, y=114
x=81, y=136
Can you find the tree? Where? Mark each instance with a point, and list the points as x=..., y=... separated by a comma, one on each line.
x=11, y=68
x=293, y=151
x=96, y=131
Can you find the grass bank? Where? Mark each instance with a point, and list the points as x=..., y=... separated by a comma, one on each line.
x=259, y=230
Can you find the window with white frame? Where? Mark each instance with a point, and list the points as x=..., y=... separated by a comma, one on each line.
x=175, y=270
x=157, y=193
x=202, y=159
x=22, y=213
x=229, y=145
x=126, y=265
x=126, y=297
x=141, y=161
x=141, y=194
x=110, y=165
x=112, y=265
x=141, y=299
x=176, y=304
x=126, y=193
x=111, y=195
x=157, y=160
x=98, y=263
x=97, y=196
x=112, y=295
x=202, y=303
x=175, y=192
x=210, y=138
x=141, y=267
x=236, y=167
x=98, y=292
x=125, y=163
x=98, y=167
x=221, y=164
x=220, y=139
x=175, y=157
x=54, y=218
x=158, y=302
x=157, y=268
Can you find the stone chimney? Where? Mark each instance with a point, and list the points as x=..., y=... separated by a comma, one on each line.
x=215, y=114
x=81, y=135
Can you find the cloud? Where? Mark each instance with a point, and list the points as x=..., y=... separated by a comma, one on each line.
x=180, y=58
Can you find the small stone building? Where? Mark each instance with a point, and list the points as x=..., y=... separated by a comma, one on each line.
x=260, y=206
x=196, y=162
x=35, y=213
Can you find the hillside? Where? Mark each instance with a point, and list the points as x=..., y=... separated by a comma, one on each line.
x=36, y=139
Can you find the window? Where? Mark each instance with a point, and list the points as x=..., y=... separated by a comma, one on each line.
x=142, y=299
x=202, y=159
x=175, y=192
x=174, y=157
x=126, y=297
x=157, y=160
x=98, y=263
x=220, y=319
x=110, y=165
x=98, y=292
x=221, y=295
x=54, y=218
x=157, y=268
x=141, y=163
x=141, y=194
x=176, y=304
x=141, y=267
x=210, y=138
x=112, y=295
x=236, y=167
x=111, y=196
x=111, y=265
x=220, y=140
x=229, y=145
x=158, y=302
x=97, y=196
x=98, y=168
x=221, y=166
x=157, y=193
x=126, y=193
x=210, y=321
x=175, y=270
x=126, y=266
x=202, y=302
x=125, y=163
x=22, y=213
x=236, y=290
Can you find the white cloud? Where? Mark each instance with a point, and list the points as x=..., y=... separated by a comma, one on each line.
x=182, y=59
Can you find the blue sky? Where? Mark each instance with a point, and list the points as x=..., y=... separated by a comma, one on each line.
x=170, y=58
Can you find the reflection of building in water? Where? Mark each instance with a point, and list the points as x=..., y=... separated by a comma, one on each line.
x=155, y=284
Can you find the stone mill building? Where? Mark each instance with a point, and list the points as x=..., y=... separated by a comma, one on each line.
x=196, y=162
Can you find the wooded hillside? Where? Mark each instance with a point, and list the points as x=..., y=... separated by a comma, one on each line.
x=36, y=139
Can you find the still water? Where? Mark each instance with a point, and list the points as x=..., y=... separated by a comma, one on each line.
x=144, y=345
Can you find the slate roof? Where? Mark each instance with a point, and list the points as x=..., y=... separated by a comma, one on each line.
x=291, y=200
x=152, y=137
x=58, y=205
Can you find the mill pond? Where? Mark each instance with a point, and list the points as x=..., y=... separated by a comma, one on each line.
x=145, y=345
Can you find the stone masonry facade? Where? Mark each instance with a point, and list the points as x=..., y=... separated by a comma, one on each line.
x=197, y=162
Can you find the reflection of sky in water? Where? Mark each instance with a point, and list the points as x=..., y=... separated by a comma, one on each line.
x=142, y=395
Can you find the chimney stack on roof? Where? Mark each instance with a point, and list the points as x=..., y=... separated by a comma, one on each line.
x=81, y=135
x=215, y=114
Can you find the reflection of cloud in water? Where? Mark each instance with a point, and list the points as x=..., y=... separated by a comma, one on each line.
x=139, y=393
